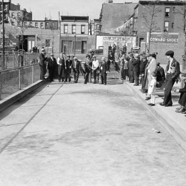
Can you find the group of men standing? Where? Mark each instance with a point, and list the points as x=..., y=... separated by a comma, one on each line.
x=65, y=65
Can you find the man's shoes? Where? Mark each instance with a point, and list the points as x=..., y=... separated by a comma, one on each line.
x=162, y=104
x=180, y=111
x=169, y=105
x=147, y=98
x=151, y=104
x=136, y=85
x=179, y=108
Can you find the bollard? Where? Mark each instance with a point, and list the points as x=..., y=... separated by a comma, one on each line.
x=19, y=77
x=32, y=73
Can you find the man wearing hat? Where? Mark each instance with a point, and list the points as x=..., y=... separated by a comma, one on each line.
x=61, y=67
x=76, y=69
x=104, y=69
x=95, y=65
x=172, y=75
x=68, y=69
x=86, y=68
x=42, y=63
x=51, y=66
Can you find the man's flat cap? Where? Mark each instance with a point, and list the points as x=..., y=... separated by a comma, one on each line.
x=169, y=53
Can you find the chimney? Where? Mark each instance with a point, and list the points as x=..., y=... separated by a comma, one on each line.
x=110, y=1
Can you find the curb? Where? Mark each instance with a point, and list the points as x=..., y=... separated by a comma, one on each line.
x=20, y=94
x=172, y=124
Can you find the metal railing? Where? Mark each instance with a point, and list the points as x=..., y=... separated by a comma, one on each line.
x=13, y=80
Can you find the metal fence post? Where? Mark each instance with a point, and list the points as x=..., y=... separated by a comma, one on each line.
x=19, y=77
x=32, y=73
x=1, y=85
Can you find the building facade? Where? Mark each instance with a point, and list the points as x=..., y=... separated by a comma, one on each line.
x=159, y=26
x=113, y=15
x=95, y=27
x=74, y=34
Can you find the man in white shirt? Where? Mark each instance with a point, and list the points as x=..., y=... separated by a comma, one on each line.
x=95, y=65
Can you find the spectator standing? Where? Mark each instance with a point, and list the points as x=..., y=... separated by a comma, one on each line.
x=87, y=69
x=152, y=89
x=172, y=75
x=61, y=67
x=131, y=72
x=110, y=59
x=151, y=69
x=95, y=66
x=42, y=64
x=68, y=69
x=136, y=68
x=76, y=69
x=160, y=75
x=104, y=69
x=143, y=64
x=51, y=66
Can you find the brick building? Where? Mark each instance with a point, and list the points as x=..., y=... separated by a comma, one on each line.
x=166, y=30
x=74, y=34
x=113, y=15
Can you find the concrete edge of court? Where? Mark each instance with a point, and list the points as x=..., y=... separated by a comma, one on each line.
x=172, y=122
x=5, y=103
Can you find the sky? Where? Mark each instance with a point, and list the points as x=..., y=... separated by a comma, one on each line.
x=50, y=8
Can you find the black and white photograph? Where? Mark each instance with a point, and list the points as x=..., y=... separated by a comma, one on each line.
x=93, y=93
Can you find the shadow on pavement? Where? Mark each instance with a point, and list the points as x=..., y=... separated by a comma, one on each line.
x=20, y=102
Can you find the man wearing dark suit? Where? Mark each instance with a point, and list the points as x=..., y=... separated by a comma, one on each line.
x=68, y=69
x=86, y=68
x=172, y=74
x=51, y=67
x=160, y=75
x=42, y=64
x=143, y=64
x=104, y=69
x=76, y=69
x=131, y=72
x=136, y=69
x=61, y=67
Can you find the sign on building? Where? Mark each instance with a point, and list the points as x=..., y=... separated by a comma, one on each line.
x=120, y=41
x=164, y=37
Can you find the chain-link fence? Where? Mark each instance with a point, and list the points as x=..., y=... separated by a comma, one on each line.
x=18, y=59
x=12, y=80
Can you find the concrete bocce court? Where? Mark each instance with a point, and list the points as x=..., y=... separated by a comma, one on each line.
x=96, y=135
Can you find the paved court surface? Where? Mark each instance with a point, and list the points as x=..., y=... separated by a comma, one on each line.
x=86, y=135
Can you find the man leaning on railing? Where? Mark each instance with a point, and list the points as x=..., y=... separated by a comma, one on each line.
x=42, y=64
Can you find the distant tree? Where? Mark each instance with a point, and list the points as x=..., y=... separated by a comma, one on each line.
x=150, y=15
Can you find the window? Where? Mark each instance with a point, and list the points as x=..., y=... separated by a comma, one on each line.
x=36, y=25
x=41, y=25
x=167, y=12
x=73, y=29
x=173, y=9
x=65, y=29
x=166, y=26
x=82, y=29
x=47, y=42
x=172, y=25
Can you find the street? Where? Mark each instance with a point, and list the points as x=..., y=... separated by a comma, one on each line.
x=86, y=135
